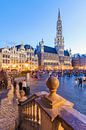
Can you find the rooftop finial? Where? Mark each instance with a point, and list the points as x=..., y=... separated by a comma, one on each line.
x=22, y=43
x=58, y=13
x=42, y=41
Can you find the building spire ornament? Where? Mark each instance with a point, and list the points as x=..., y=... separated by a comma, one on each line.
x=59, y=13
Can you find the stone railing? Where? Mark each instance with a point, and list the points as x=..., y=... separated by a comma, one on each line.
x=49, y=111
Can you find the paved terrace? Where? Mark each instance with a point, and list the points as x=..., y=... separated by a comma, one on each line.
x=8, y=111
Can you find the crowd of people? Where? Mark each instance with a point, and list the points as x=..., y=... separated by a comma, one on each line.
x=22, y=87
x=79, y=75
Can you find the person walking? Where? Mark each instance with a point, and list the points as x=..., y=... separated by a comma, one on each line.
x=80, y=82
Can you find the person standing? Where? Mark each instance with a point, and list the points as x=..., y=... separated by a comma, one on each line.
x=14, y=85
x=24, y=85
x=20, y=85
x=80, y=82
x=28, y=84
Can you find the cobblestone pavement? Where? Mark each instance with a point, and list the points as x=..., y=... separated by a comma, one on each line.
x=8, y=112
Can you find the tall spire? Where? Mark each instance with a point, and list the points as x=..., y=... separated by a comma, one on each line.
x=59, y=13
x=59, y=40
x=59, y=25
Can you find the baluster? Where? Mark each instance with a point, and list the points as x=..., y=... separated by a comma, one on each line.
x=27, y=110
x=34, y=112
x=23, y=112
x=26, y=124
x=35, y=115
x=30, y=111
x=28, y=115
x=38, y=115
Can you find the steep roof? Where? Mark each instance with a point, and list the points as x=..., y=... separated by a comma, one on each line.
x=18, y=46
x=66, y=53
x=50, y=49
x=1, y=49
x=25, y=46
x=28, y=47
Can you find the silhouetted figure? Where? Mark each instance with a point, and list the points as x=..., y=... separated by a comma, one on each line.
x=24, y=85
x=20, y=86
x=80, y=82
x=28, y=91
x=14, y=84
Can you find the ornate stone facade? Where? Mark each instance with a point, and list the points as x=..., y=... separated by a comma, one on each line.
x=4, y=56
x=79, y=60
x=18, y=57
x=47, y=55
x=54, y=56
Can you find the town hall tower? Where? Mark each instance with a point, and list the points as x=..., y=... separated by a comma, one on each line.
x=59, y=40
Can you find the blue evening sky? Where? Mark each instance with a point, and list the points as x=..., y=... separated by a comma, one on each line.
x=31, y=20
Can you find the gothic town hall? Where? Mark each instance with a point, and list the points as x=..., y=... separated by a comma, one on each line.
x=54, y=56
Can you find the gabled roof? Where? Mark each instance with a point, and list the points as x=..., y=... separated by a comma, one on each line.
x=50, y=50
x=18, y=46
x=25, y=46
x=28, y=47
x=66, y=53
x=1, y=49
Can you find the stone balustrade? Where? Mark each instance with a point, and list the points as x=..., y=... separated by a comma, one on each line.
x=49, y=111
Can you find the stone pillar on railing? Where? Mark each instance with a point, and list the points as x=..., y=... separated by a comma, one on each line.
x=50, y=106
x=53, y=100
